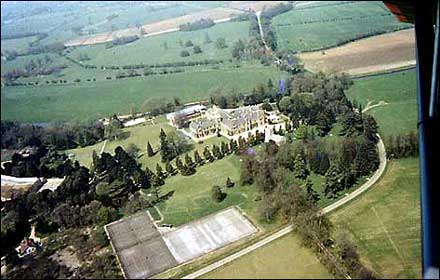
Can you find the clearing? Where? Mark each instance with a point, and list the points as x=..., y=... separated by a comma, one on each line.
x=371, y=55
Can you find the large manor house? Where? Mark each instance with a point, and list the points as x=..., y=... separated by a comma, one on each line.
x=204, y=123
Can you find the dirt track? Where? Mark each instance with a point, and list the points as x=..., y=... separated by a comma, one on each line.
x=374, y=54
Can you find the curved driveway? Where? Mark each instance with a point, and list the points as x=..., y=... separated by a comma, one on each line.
x=373, y=179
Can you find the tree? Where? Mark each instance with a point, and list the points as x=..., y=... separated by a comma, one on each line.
x=157, y=182
x=337, y=178
x=133, y=150
x=167, y=150
x=311, y=193
x=233, y=146
x=150, y=151
x=169, y=168
x=188, y=160
x=300, y=169
x=220, y=43
x=229, y=183
x=197, y=49
x=189, y=43
x=207, y=154
x=187, y=170
x=184, y=53
x=266, y=106
x=217, y=152
x=159, y=171
x=179, y=163
x=207, y=39
x=224, y=148
x=217, y=194
x=106, y=215
x=197, y=158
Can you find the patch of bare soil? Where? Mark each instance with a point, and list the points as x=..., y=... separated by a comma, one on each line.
x=375, y=54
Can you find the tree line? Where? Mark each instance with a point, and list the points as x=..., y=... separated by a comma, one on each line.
x=61, y=136
x=196, y=25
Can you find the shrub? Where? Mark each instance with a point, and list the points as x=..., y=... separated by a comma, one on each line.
x=184, y=53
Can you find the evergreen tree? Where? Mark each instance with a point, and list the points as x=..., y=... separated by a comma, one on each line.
x=233, y=147
x=189, y=162
x=217, y=194
x=370, y=128
x=224, y=148
x=167, y=151
x=197, y=158
x=157, y=181
x=159, y=171
x=187, y=170
x=149, y=173
x=311, y=193
x=179, y=164
x=270, y=84
x=169, y=168
x=229, y=183
x=216, y=152
x=207, y=154
x=150, y=151
x=337, y=178
x=300, y=169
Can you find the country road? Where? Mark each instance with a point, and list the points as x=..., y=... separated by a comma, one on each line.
x=371, y=181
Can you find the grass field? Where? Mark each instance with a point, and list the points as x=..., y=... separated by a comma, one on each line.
x=85, y=101
x=282, y=258
x=152, y=50
x=385, y=222
x=399, y=91
x=191, y=198
x=330, y=26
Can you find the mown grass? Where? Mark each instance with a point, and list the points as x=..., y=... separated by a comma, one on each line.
x=399, y=91
x=385, y=222
x=191, y=198
x=282, y=258
x=348, y=21
x=85, y=101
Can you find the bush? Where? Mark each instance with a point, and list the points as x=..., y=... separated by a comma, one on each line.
x=217, y=194
x=189, y=43
x=184, y=53
x=197, y=49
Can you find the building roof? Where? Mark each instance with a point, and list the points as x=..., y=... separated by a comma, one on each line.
x=202, y=123
x=240, y=116
x=187, y=111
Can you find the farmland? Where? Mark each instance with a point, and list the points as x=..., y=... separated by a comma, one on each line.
x=374, y=54
x=321, y=26
x=385, y=222
x=398, y=90
x=167, y=47
x=87, y=101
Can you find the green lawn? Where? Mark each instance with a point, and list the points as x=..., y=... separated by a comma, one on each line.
x=332, y=25
x=191, y=198
x=152, y=50
x=282, y=258
x=140, y=135
x=385, y=222
x=399, y=91
x=85, y=101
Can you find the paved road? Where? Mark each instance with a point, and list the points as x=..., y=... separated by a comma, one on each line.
x=287, y=229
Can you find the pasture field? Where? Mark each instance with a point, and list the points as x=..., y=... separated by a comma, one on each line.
x=398, y=90
x=374, y=54
x=385, y=222
x=167, y=47
x=323, y=27
x=282, y=258
x=18, y=45
x=69, y=20
x=85, y=101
